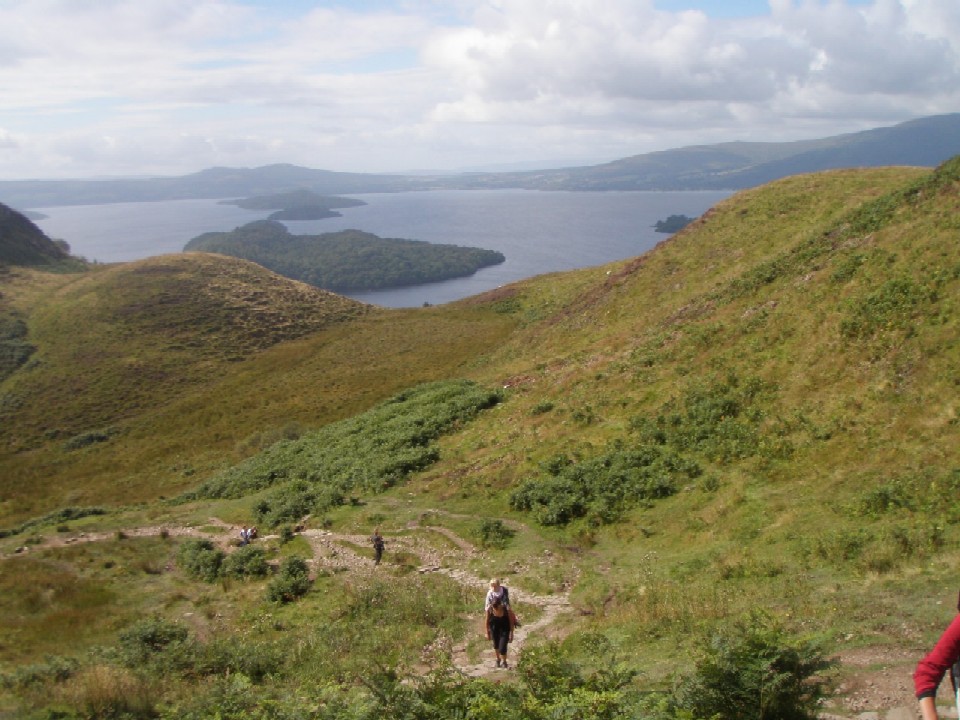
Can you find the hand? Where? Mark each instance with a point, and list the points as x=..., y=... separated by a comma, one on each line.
x=511, y=637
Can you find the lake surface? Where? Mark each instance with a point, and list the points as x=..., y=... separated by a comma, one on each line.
x=538, y=232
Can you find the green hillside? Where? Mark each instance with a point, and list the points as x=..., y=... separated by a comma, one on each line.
x=743, y=441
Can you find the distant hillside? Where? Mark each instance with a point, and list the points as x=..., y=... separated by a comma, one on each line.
x=23, y=243
x=213, y=183
x=725, y=166
x=925, y=142
x=139, y=359
x=111, y=337
x=297, y=205
x=345, y=261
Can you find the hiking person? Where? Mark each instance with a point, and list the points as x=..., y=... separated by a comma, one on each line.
x=378, y=545
x=499, y=625
x=496, y=591
x=944, y=656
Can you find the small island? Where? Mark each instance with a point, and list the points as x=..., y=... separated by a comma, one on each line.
x=345, y=261
x=297, y=205
x=672, y=224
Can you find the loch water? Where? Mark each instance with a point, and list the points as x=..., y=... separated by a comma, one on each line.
x=538, y=232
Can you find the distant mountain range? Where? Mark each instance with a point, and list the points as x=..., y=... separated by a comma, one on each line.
x=725, y=166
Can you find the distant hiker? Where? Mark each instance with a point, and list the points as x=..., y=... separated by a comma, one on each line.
x=378, y=545
x=499, y=626
x=944, y=656
x=244, y=536
x=252, y=533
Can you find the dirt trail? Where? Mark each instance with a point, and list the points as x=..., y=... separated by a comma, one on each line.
x=333, y=551
x=878, y=688
x=337, y=552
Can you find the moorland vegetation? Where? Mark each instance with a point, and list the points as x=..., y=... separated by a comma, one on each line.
x=720, y=478
x=346, y=261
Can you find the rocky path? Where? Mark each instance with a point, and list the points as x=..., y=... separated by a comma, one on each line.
x=877, y=683
x=339, y=552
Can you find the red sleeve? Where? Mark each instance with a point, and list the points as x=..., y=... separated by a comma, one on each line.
x=930, y=670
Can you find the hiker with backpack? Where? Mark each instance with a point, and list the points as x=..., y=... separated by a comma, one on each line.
x=499, y=620
x=944, y=656
x=378, y=545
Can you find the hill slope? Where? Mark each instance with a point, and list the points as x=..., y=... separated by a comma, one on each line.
x=194, y=356
x=753, y=423
x=23, y=243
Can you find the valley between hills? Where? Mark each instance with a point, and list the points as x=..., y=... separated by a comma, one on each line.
x=746, y=435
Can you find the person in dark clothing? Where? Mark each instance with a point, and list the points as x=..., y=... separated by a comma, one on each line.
x=378, y=545
x=499, y=629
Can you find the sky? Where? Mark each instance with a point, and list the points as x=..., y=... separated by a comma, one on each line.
x=103, y=88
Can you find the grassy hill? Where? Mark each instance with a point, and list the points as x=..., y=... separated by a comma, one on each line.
x=752, y=426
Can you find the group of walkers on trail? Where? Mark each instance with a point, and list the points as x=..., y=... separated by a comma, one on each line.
x=499, y=619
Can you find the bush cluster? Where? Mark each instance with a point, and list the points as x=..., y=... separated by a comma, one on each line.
x=494, y=533
x=201, y=559
x=754, y=670
x=369, y=452
x=892, y=306
x=719, y=421
x=602, y=488
x=751, y=668
x=291, y=583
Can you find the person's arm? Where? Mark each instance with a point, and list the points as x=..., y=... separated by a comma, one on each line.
x=486, y=622
x=931, y=669
x=928, y=708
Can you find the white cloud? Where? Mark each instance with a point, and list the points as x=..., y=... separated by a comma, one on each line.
x=174, y=85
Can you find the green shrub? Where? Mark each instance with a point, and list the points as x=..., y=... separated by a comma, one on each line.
x=719, y=420
x=370, y=452
x=149, y=637
x=602, y=488
x=493, y=533
x=51, y=670
x=201, y=559
x=755, y=670
x=246, y=561
x=542, y=407
x=291, y=583
x=894, y=305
